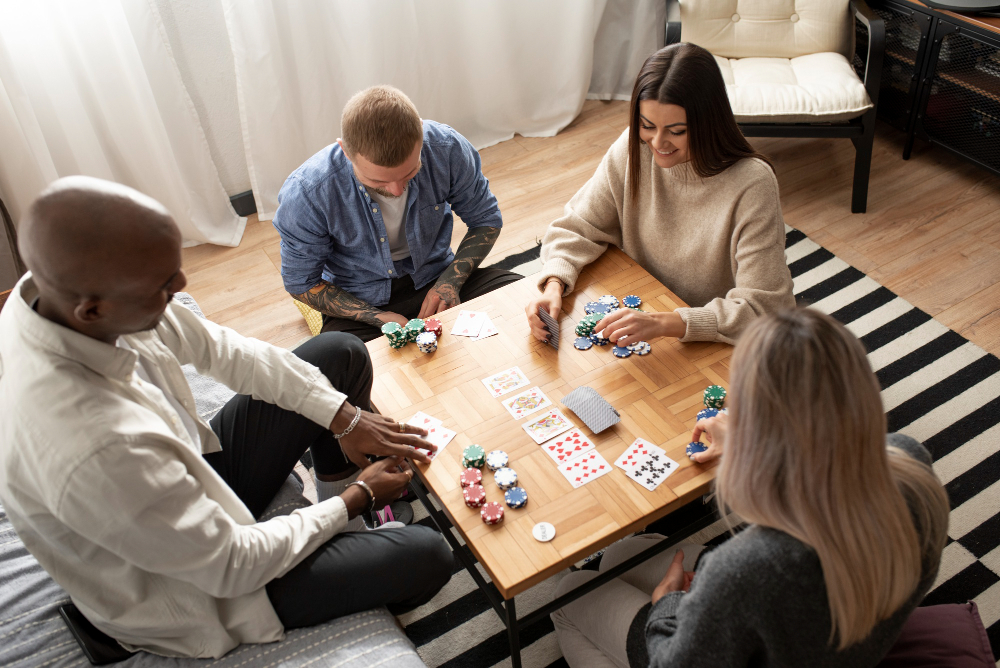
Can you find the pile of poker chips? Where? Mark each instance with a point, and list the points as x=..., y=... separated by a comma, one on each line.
x=395, y=333
x=610, y=300
x=492, y=513
x=640, y=348
x=598, y=338
x=434, y=326
x=586, y=325
x=695, y=447
x=427, y=342
x=505, y=478
x=516, y=497
x=715, y=396
x=473, y=457
x=596, y=307
x=632, y=302
x=496, y=459
x=412, y=329
x=471, y=477
x=474, y=495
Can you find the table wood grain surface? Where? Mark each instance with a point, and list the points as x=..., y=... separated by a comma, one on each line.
x=657, y=395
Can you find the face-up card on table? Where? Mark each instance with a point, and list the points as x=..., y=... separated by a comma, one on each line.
x=469, y=323
x=526, y=403
x=551, y=423
x=552, y=325
x=488, y=329
x=636, y=454
x=653, y=471
x=439, y=436
x=423, y=420
x=588, y=466
x=501, y=383
x=569, y=445
x=592, y=408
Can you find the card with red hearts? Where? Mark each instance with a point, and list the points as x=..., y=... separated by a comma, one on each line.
x=585, y=468
x=568, y=446
x=636, y=454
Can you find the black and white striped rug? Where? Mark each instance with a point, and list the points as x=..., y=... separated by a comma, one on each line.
x=936, y=386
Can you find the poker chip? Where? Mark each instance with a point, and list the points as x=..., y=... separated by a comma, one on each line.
x=632, y=301
x=473, y=457
x=471, y=477
x=706, y=413
x=516, y=497
x=413, y=329
x=598, y=338
x=543, y=532
x=609, y=300
x=427, y=342
x=583, y=343
x=434, y=326
x=474, y=495
x=496, y=459
x=492, y=513
x=505, y=478
x=640, y=347
x=596, y=307
x=715, y=396
x=395, y=333
x=695, y=447
x=621, y=351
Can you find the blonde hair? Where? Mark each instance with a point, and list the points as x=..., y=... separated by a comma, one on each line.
x=807, y=455
x=381, y=124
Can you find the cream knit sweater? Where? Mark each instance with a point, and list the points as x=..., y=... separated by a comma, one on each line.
x=718, y=243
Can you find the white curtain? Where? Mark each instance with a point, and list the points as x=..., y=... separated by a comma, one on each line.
x=92, y=88
x=488, y=68
x=630, y=31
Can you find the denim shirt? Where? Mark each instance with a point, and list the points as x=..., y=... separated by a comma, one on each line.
x=332, y=230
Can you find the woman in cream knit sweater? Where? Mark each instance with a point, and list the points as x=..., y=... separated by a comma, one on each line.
x=684, y=194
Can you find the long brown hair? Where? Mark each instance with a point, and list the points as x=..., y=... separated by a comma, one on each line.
x=806, y=454
x=688, y=76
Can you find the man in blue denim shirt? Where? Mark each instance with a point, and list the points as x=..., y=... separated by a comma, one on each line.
x=366, y=223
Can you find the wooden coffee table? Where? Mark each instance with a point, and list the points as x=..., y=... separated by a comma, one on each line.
x=657, y=396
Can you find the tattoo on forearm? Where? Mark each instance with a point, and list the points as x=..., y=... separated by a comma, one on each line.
x=471, y=252
x=329, y=299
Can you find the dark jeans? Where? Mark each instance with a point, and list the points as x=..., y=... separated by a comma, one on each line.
x=406, y=300
x=352, y=571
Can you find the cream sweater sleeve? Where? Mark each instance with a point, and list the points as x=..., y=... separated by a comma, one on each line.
x=763, y=282
x=591, y=220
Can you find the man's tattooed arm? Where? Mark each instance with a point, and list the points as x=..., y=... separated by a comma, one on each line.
x=329, y=299
x=471, y=252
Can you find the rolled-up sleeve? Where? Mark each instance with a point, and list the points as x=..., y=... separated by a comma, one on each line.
x=306, y=243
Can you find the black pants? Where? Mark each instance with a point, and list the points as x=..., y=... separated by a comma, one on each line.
x=406, y=300
x=354, y=571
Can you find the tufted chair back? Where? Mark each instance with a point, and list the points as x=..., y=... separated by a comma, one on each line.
x=768, y=28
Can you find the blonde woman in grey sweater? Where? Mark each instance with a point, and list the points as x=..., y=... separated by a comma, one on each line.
x=684, y=194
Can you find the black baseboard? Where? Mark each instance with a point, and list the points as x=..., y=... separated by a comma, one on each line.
x=244, y=204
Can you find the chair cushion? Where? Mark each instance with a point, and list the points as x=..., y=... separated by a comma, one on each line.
x=768, y=28
x=818, y=88
x=943, y=636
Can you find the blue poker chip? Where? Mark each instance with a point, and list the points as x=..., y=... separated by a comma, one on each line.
x=599, y=340
x=632, y=301
x=696, y=446
x=583, y=343
x=707, y=413
x=596, y=307
x=621, y=351
x=516, y=497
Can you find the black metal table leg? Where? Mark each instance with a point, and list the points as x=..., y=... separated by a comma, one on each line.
x=513, y=634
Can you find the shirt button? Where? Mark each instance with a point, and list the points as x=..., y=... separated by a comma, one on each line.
x=436, y=208
x=390, y=271
x=374, y=210
x=382, y=239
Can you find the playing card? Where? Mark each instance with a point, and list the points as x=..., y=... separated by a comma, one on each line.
x=439, y=436
x=552, y=325
x=526, y=403
x=592, y=408
x=568, y=446
x=469, y=323
x=501, y=383
x=588, y=466
x=488, y=329
x=552, y=423
x=637, y=454
x=653, y=471
x=423, y=420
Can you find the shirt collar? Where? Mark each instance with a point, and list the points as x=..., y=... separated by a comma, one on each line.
x=41, y=333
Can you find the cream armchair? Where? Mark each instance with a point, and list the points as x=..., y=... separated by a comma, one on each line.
x=788, y=68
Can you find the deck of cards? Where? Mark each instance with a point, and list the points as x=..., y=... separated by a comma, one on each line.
x=592, y=408
x=646, y=464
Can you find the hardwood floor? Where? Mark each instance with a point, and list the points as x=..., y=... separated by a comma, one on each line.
x=931, y=234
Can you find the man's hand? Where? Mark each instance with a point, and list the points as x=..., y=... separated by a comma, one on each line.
x=388, y=316
x=388, y=478
x=442, y=296
x=626, y=326
x=676, y=578
x=551, y=301
x=379, y=436
x=715, y=430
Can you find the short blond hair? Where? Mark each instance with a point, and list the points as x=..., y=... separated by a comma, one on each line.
x=382, y=124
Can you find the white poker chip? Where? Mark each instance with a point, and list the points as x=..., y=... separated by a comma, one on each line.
x=543, y=532
x=505, y=478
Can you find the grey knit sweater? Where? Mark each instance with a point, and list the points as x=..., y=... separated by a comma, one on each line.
x=759, y=599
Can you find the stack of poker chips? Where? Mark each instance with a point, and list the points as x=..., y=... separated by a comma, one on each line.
x=471, y=477
x=427, y=342
x=586, y=325
x=434, y=326
x=715, y=396
x=632, y=302
x=610, y=300
x=474, y=495
x=640, y=348
x=516, y=497
x=473, y=457
x=596, y=307
x=695, y=447
x=395, y=333
x=492, y=513
x=505, y=478
x=413, y=329
x=598, y=338
x=706, y=413
x=496, y=459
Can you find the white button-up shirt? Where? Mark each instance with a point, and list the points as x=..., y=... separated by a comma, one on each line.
x=107, y=489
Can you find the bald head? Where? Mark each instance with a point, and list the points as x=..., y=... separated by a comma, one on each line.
x=96, y=247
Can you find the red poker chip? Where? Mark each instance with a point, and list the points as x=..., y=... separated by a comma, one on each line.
x=433, y=325
x=474, y=495
x=471, y=477
x=492, y=513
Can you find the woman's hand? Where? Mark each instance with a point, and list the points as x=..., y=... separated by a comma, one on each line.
x=676, y=579
x=551, y=301
x=715, y=430
x=626, y=326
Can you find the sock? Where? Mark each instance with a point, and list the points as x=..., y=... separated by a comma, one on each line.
x=327, y=489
